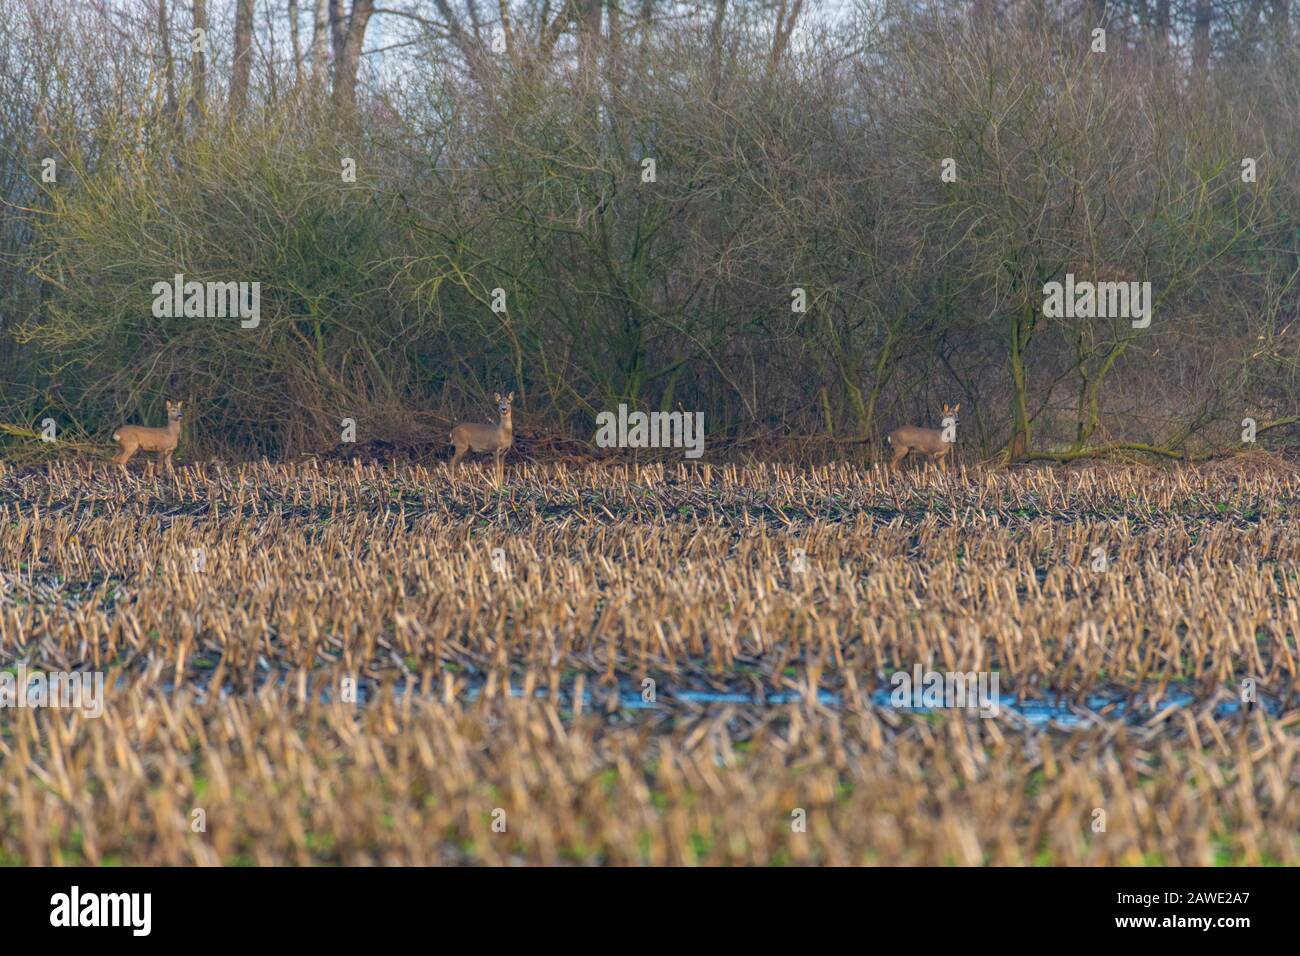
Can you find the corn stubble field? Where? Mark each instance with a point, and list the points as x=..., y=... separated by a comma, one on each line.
x=502, y=686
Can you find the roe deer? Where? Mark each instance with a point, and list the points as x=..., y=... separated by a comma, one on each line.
x=481, y=438
x=928, y=441
x=133, y=438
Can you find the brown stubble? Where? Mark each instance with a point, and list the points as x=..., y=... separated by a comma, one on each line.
x=314, y=573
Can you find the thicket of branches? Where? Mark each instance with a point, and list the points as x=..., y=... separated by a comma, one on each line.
x=508, y=146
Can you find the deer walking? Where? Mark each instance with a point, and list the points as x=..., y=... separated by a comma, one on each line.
x=133, y=438
x=497, y=438
x=927, y=441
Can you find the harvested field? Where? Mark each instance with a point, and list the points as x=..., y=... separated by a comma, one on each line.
x=334, y=663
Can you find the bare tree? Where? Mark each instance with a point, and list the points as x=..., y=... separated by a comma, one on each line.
x=243, y=58
x=295, y=44
x=1162, y=25
x=590, y=20
x=198, y=60
x=715, y=44
x=338, y=28
x=787, y=17
x=168, y=68
x=1201, y=21
x=320, y=32
x=552, y=32
x=1280, y=17
x=349, y=59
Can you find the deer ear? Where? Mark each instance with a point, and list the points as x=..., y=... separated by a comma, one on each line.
x=956, y=408
x=496, y=396
x=510, y=397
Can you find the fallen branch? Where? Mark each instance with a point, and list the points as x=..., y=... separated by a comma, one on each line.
x=1061, y=457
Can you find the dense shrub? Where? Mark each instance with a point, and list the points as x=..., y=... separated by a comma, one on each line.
x=504, y=232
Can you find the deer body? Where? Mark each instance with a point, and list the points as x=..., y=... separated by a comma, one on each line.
x=927, y=441
x=496, y=439
x=133, y=438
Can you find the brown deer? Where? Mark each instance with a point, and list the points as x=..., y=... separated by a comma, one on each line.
x=928, y=441
x=133, y=438
x=482, y=438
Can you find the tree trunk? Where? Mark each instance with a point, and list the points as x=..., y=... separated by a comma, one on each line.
x=168, y=69
x=614, y=57
x=243, y=61
x=467, y=42
x=1018, y=447
x=320, y=32
x=1280, y=17
x=1162, y=25
x=507, y=31
x=644, y=25
x=590, y=18
x=199, y=60
x=781, y=35
x=348, y=63
x=1201, y=40
x=715, y=46
x=338, y=29
x=295, y=45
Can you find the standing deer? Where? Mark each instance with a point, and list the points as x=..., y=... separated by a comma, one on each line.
x=133, y=438
x=928, y=441
x=481, y=438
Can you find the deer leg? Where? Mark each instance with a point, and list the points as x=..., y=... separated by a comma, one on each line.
x=165, y=458
x=899, y=454
x=458, y=455
x=123, y=456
